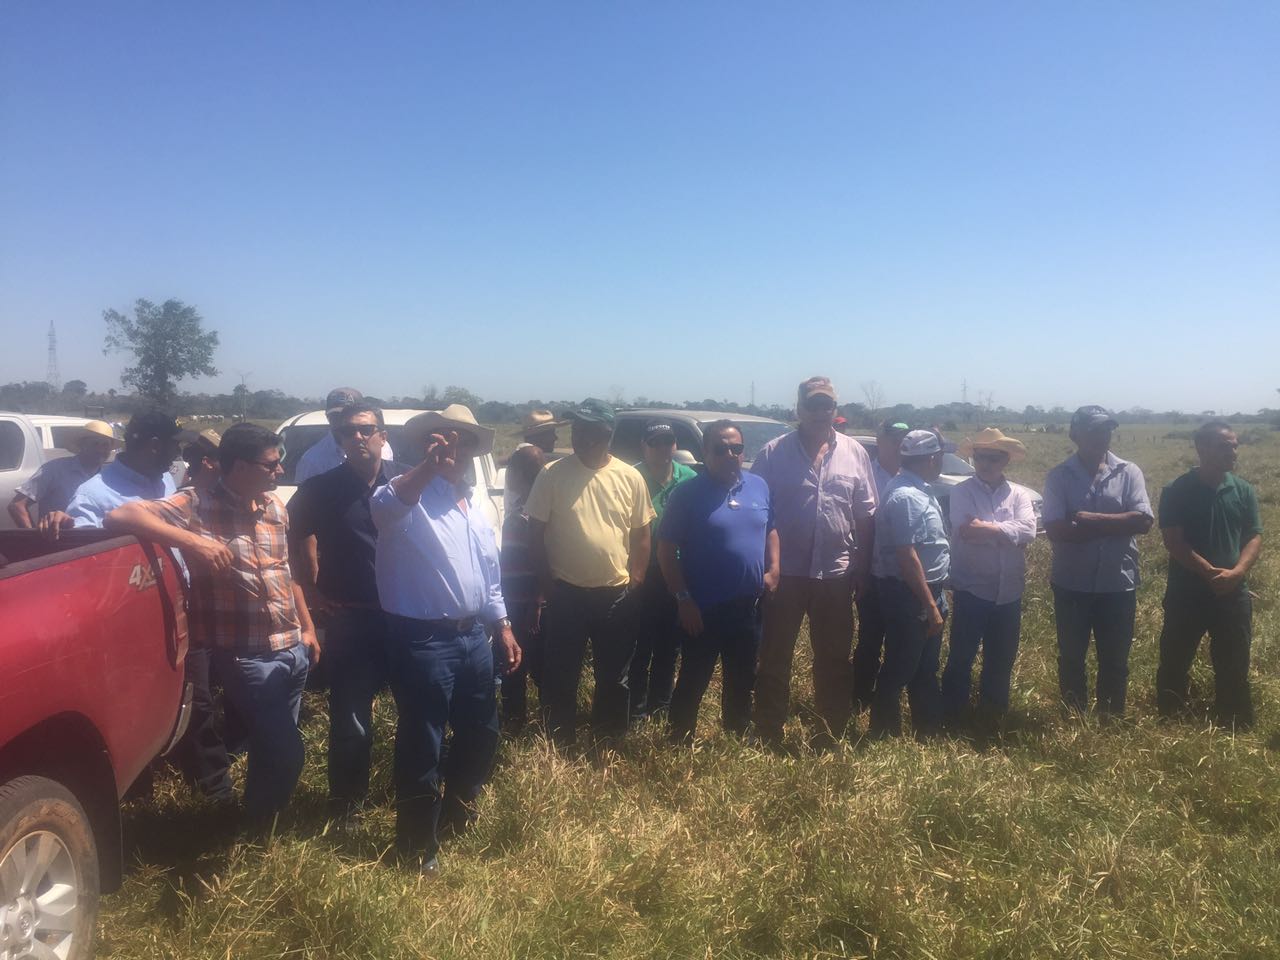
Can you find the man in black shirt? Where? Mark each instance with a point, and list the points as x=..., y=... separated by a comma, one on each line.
x=333, y=546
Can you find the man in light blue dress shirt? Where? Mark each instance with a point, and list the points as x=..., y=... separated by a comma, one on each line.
x=139, y=472
x=1095, y=507
x=440, y=586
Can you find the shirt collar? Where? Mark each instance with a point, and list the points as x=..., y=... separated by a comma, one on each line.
x=237, y=502
x=132, y=476
x=1110, y=461
x=1004, y=482
x=440, y=487
x=911, y=477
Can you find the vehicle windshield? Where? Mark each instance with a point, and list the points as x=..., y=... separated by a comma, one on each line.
x=755, y=434
x=300, y=438
x=956, y=466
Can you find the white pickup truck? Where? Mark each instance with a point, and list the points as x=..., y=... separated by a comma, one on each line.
x=305, y=429
x=27, y=441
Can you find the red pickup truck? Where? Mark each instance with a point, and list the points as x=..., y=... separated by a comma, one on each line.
x=93, y=637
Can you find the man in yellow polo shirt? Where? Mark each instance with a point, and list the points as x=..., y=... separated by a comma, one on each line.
x=589, y=541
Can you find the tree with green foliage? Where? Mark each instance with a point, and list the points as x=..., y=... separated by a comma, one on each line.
x=168, y=343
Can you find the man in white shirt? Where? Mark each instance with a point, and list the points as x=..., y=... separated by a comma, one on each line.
x=992, y=522
x=326, y=453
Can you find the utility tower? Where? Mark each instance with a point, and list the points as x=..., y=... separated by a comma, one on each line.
x=51, y=375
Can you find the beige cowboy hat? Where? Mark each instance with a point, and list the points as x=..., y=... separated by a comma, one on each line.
x=456, y=416
x=538, y=420
x=992, y=439
x=93, y=428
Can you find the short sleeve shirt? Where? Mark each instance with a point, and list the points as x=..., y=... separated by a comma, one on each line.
x=1216, y=523
x=660, y=493
x=114, y=486
x=909, y=515
x=721, y=533
x=816, y=505
x=1105, y=564
x=589, y=515
x=55, y=483
x=249, y=609
x=334, y=507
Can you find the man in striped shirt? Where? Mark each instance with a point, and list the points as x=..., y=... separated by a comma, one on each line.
x=244, y=604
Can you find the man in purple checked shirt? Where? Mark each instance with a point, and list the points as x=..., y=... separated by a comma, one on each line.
x=824, y=500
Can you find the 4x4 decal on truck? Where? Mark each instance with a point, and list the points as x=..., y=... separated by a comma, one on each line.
x=142, y=576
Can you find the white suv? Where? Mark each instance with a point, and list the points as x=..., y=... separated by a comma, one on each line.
x=628, y=432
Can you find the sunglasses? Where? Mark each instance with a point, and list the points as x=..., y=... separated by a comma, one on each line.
x=816, y=404
x=271, y=466
x=366, y=430
x=733, y=449
x=988, y=455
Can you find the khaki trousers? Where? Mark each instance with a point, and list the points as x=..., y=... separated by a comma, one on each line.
x=829, y=606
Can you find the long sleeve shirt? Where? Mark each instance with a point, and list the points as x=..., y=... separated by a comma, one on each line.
x=816, y=506
x=992, y=570
x=436, y=560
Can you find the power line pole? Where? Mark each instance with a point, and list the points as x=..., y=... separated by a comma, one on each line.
x=964, y=391
x=753, y=393
x=51, y=375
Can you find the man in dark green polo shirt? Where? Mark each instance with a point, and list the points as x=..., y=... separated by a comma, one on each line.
x=1213, y=532
x=653, y=668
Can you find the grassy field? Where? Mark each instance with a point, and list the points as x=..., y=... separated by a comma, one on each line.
x=1062, y=838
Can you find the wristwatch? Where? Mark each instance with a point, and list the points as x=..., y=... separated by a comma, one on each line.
x=683, y=595
x=504, y=622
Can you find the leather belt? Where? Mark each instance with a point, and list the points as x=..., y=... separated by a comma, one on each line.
x=465, y=625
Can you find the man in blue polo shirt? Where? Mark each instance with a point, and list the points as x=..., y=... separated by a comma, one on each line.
x=912, y=560
x=718, y=550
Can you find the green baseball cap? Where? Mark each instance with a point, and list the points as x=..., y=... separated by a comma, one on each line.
x=592, y=410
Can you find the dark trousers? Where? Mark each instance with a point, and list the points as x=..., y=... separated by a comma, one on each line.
x=910, y=661
x=870, y=645
x=658, y=636
x=995, y=628
x=440, y=676
x=356, y=653
x=731, y=632
x=1229, y=623
x=527, y=628
x=1109, y=617
x=201, y=754
x=605, y=616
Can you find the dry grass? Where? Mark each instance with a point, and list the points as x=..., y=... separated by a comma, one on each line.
x=1062, y=838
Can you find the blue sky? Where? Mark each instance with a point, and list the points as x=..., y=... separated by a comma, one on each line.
x=1057, y=203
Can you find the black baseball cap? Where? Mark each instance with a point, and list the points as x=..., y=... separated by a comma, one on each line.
x=340, y=397
x=156, y=424
x=659, y=430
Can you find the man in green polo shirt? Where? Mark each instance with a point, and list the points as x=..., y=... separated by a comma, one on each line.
x=653, y=667
x=1213, y=532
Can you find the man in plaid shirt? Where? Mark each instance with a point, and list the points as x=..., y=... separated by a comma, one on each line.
x=244, y=606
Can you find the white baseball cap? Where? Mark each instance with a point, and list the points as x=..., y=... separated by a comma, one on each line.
x=920, y=443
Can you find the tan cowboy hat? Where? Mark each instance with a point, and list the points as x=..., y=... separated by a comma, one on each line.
x=538, y=420
x=93, y=428
x=992, y=439
x=453, y=417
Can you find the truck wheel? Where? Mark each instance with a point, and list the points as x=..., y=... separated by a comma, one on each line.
x=48, y=872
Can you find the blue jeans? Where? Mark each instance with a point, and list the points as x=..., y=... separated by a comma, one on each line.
x=355, y=651
x=1109, y=616
x=440, y=676
x=731, y=632
x=993, y=626
x=870, y=645
x=653, y=666
x=266, y=692
x=910, y=661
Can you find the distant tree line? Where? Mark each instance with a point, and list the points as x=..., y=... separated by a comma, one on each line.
x=76, y=398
